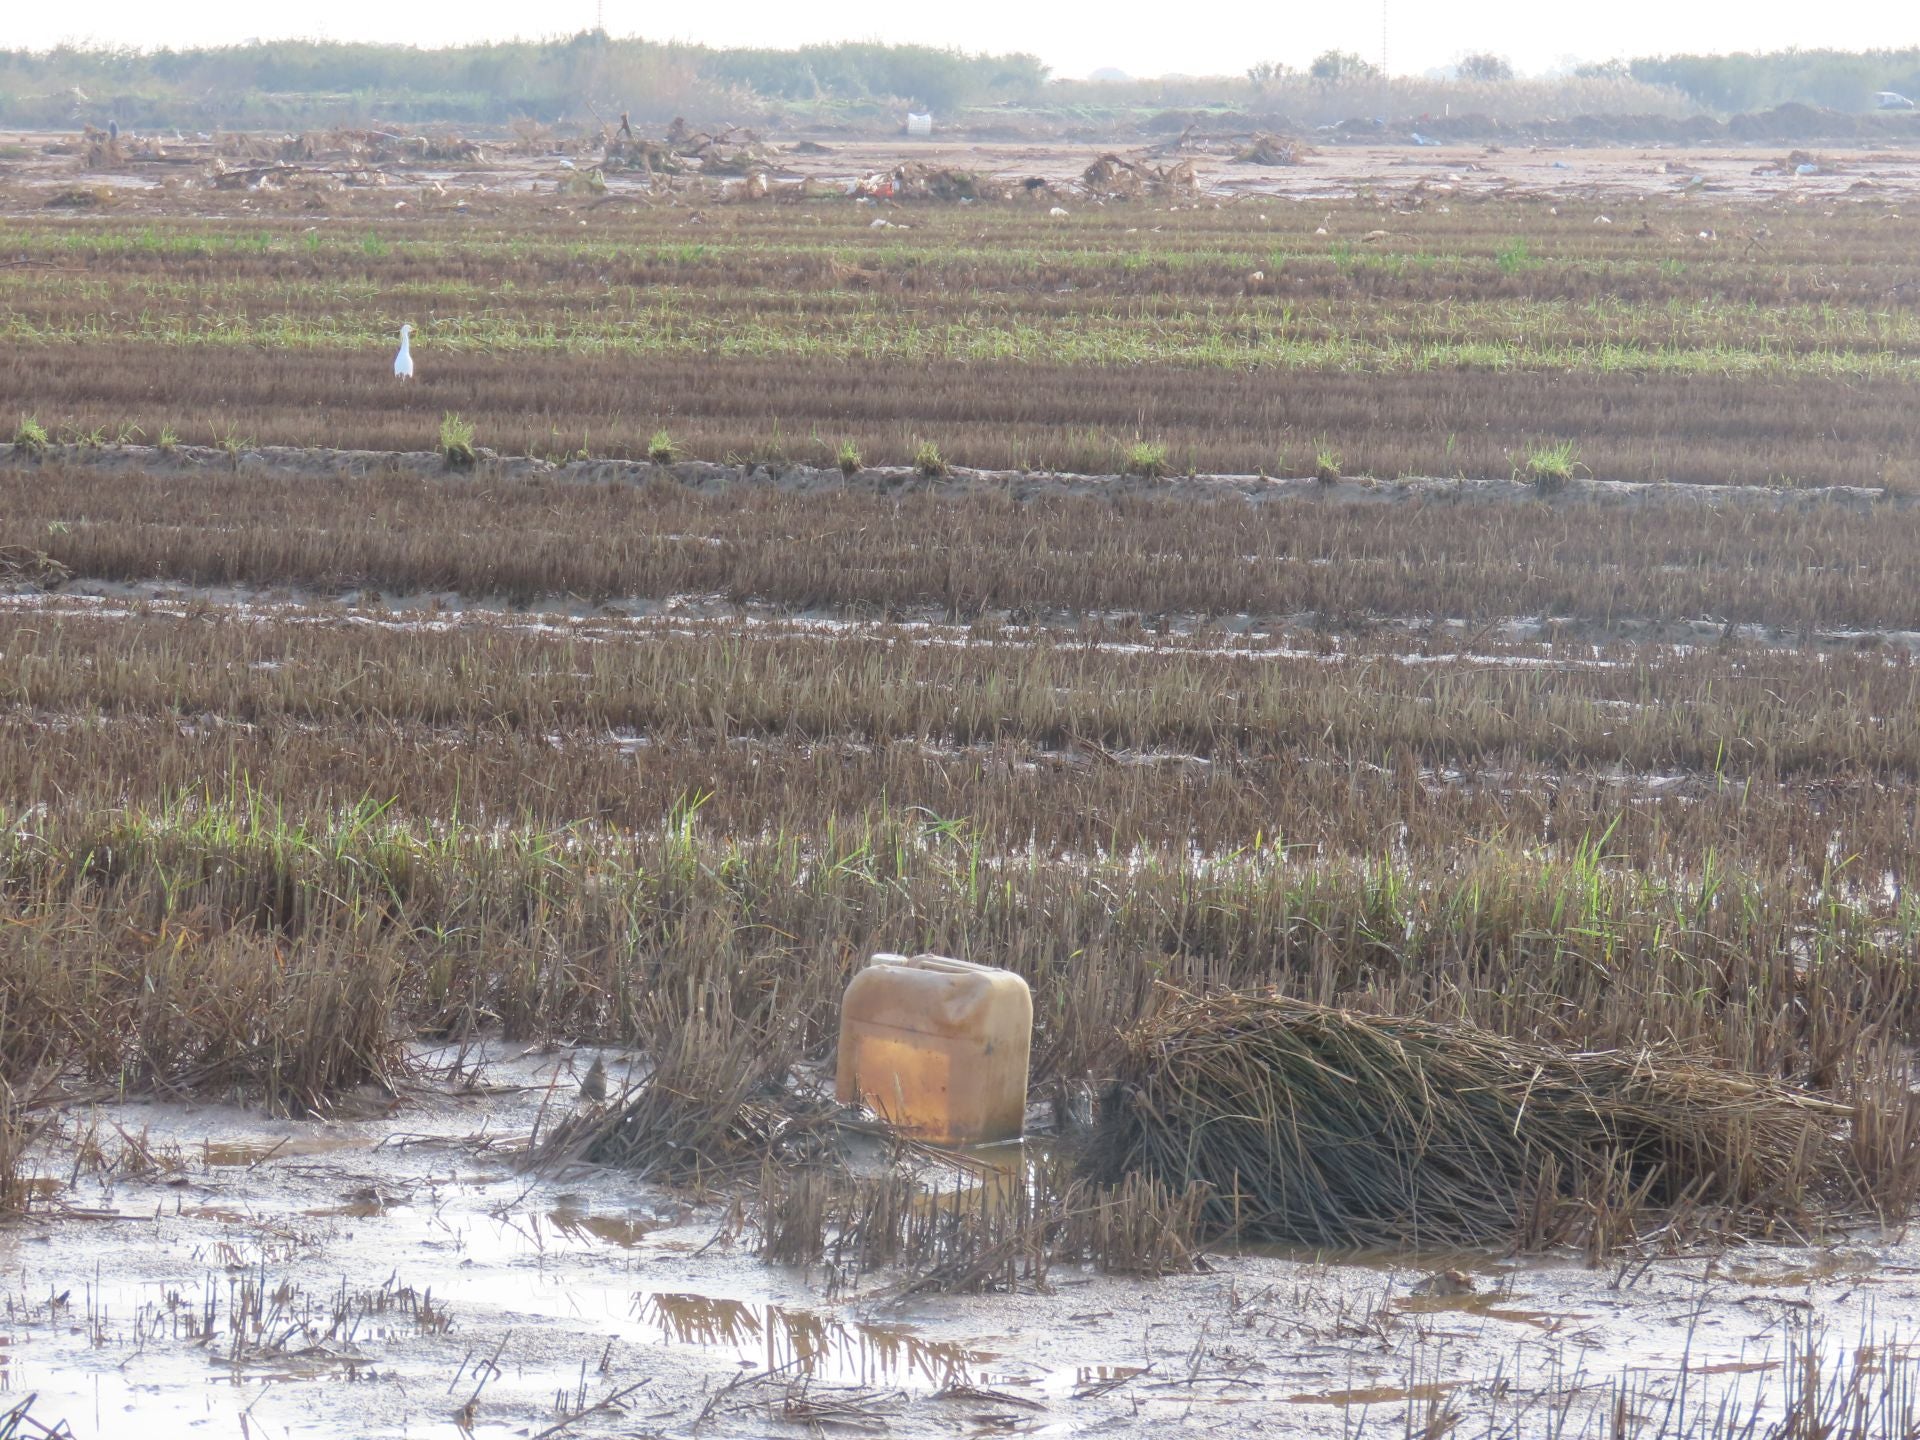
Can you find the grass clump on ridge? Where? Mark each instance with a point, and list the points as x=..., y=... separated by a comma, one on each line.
x=928, y=460
x=1551, y=467
x=456, y=442
x=1147, y=459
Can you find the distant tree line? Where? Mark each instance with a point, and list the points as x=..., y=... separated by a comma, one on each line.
x=1732, y=84
x=1837, y=79
x=938, y=79
x=295, y=81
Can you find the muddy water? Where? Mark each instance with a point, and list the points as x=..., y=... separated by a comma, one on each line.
x=1516, y=642
x=395, y=1277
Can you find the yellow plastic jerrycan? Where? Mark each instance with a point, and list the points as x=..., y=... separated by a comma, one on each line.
x=938, y=1048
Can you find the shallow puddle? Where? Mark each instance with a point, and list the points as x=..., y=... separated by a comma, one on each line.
x=625, y=1231
x=351, y=1210
x=1487, y=1306
x=249, y=1153
x=1827, y=1265
x=1377, y=1395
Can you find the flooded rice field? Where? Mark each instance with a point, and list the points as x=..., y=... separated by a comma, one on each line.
x=1524, y=856
x=196, y=1270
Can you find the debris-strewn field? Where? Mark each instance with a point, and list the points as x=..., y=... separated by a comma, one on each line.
x=356, y=803
x=1457, y=316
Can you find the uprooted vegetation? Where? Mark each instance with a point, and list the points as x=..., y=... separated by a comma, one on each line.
x=1327, y=1127
x=683, y=150
x=1117, y=177
x=1263, y=149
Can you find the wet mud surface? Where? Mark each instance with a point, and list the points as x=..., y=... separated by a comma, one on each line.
x=202, y=1270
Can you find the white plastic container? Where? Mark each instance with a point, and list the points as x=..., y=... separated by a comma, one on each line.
x=938, y=1048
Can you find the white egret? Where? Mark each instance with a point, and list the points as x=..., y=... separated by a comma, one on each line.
x=403, y=362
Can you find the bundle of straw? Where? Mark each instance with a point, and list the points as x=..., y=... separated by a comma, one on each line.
x=1323, y=1127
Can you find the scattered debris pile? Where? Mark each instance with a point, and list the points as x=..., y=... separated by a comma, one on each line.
x=379, y=147
x=914, y=180
x=1317, y=1126
x=273, y=176
x=637, y=152
x=728, y=151
x=1799, y=162
x=1114, y=177
x=1182, y=144
x=312, y=160
x=80, y=197
x=1265, y=149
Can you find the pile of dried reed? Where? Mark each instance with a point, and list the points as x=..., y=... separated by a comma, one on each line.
x=1325, y=1127
x=714, y=1106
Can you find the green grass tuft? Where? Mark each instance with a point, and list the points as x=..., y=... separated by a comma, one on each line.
x=929, y=462
x=456, y=442
x=31, y=436
x=1147, y=459
x=1551, y=467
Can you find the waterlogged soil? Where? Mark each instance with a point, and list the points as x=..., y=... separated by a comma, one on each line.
x=202, y=1270
x=1525, y=642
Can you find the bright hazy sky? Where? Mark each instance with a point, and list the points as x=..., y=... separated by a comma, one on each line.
x=1208, y=36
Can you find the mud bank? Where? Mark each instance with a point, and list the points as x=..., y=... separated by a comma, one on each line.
x=198, y=1269
x=281, y=462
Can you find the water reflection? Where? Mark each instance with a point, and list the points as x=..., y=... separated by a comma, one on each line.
x=810, y=1345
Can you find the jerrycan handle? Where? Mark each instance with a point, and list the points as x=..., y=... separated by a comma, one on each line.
x=933, y=962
